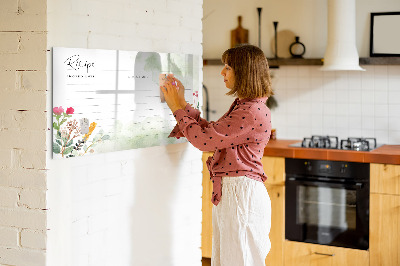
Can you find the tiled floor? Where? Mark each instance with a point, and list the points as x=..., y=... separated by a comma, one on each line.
x=206, y=261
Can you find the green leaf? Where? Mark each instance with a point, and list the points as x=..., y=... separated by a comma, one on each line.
x=55, y=126
x=59, y=134
x=65, y=140
x=56, y=148
x=68, y=150
x=63, y=121
x=70, y=143
x=96, y=138
x=58, y=142
x=105, y=137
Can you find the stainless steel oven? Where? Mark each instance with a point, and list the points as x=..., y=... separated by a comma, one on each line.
x=327, y=202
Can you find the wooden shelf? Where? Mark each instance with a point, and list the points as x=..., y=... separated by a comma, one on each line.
x=380, y=61
x=273, y=63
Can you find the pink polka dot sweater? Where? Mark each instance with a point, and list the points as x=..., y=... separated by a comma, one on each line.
x=238, y=139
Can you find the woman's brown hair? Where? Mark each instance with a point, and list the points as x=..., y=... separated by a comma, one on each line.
x=250, y=66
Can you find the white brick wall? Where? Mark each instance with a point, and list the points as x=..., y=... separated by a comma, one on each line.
x=9, y=237
x=23, y=132
x=33, y=239
x=136, y=207
x=94, y=200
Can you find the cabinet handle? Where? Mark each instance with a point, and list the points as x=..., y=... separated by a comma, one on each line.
x=325, y=254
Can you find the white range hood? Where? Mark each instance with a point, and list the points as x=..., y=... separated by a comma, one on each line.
x=341, y=51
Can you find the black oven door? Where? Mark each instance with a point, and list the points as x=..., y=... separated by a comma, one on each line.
x=327, y=212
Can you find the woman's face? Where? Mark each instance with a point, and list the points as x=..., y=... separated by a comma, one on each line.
x=229, y=76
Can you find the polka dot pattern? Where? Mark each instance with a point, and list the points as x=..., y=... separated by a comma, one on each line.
x=238, y=139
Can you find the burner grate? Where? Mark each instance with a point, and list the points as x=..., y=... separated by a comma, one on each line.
x=358, y=144
x=327, y=142
x=332, y=142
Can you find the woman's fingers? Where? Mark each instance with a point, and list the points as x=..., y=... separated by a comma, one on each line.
x=164, y=90
x=181, y=90
x=179, y=83
x=171, y=95
x=171, y=88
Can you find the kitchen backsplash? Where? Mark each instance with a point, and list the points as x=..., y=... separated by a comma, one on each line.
x=314, y=102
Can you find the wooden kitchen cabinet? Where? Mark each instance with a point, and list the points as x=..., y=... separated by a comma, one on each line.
x=305, y=254
x=277, y=233
x=206, y=225
x=385, y=178
x=274, y=168
x=384, y=236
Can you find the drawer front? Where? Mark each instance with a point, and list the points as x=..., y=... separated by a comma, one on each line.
x=297, y=253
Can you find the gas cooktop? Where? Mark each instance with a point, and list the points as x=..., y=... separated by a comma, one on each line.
x=332, y=142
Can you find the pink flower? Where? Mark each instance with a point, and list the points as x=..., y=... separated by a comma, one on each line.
x=58, y=110
x=70, y=111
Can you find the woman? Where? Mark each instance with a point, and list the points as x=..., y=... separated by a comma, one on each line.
x=242, y=208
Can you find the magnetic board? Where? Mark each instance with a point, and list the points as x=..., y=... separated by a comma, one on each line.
x=110, y=100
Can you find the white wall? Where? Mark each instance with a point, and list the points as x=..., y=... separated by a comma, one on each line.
x=311, y=102
x=343, y=104
x=22, y=133
x=305, y=18
x=135, y=207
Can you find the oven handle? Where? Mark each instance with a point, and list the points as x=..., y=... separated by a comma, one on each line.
x=325, y=254
x=357, y=185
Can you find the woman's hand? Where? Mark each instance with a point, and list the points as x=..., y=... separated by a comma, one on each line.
x=173, y=97
x=181, y=92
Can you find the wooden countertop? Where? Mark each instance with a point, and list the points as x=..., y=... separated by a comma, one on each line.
x=389, y=154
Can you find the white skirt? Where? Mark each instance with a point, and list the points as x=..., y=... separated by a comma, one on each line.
x=241, y=223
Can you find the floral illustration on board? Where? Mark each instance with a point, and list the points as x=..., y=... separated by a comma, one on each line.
x=73, y=138
x=196, y=102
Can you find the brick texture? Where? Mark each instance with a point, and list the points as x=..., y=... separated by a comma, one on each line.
x=108, y=188
x=33, y=199
x=33, y=239
x=23, y=178
x=8, y=197
x=9, y=237
x=18, y=256
x=23, y=63
x=23, y=218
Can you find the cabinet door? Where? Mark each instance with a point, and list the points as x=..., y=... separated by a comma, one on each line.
x=305, y=254
x=206, y=226
x=384, y=229
x=277, y=233
x=274, y=168
x=385, y=178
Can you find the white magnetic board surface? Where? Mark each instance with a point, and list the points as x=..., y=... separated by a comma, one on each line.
x=110, y=100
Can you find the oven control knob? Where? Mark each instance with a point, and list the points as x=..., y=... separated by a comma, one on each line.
x=308, y=166
x=343, y=168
